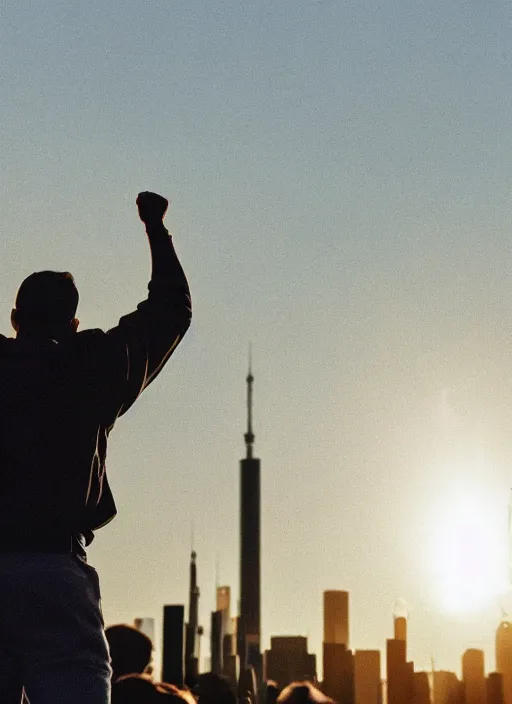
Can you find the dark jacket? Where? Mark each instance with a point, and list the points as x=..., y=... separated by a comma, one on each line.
x=59, y=400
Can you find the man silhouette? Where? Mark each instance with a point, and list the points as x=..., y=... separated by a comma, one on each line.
x=61, y=392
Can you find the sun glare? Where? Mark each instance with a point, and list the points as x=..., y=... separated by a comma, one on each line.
x=468, y=552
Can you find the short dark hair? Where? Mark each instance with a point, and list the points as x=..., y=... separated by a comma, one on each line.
x=47, y=298
x=130, y=649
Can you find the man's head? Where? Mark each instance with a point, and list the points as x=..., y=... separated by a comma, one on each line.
x=130, y=650
x=46, y=304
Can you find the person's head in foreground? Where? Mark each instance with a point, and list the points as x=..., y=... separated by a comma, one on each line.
x=303, y=693
x=130, y=650
x=46, y=305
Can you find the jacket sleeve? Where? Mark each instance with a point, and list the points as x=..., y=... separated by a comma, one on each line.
x=142, y=342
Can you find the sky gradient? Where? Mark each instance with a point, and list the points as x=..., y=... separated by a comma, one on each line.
x=341, y=190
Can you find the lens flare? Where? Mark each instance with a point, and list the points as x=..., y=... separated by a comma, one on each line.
x=468, y=551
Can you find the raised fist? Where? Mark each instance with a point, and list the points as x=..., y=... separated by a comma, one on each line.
x=152, y=207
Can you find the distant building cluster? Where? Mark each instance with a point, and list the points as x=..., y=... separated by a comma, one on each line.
x=349, y=677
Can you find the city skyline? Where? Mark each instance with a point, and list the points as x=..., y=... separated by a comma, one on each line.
x=349, y=676
x=336, y=610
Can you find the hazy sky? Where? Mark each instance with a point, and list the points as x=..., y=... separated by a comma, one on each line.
x=341, y=182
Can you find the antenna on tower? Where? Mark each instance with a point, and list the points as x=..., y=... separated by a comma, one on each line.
x=249, y=435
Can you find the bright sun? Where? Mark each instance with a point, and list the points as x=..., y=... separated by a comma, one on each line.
x=468, y=552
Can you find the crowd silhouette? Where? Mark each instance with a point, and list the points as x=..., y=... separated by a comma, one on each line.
x=133, y=682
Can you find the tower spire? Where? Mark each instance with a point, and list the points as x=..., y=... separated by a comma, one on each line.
x=249, y=435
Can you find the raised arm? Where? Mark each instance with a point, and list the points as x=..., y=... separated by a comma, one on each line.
x=144, y=340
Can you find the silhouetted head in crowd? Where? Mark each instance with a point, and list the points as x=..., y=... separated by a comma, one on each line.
x=272, y=691
x=139, y=689
x=179, y=696
x=303, y=693
x=46, y=305
x=130, y=650
x=214, y=689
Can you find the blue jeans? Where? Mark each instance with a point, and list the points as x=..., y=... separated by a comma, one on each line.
x=52, y=638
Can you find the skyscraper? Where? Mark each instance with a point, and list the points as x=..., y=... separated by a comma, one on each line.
x=447, y=688
x=504, y=658
x=400, y=624
x=250, y=540
x=193, y=630
x=338, y=681
x=173, y=655
x=216, y=640
x=288, y=660
x=367, y=686
x=223, y=598
x=398, y=689
x=336, y=617
x=421, y=688
x=473, y=676
x=494, y=688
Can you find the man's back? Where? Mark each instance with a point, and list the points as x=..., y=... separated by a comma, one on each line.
x=57, y=404
x=59, y=399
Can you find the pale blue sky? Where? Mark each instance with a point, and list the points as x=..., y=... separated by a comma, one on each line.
x=341, y=185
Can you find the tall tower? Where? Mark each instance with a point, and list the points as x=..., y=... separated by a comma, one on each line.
x=338, y=679
x=473, y=676
x=193, y=630
x=504, y=658
x=336, y=617
x=250, y=539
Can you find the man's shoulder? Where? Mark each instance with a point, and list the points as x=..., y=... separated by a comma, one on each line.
x=100, y=348
x=90, y=336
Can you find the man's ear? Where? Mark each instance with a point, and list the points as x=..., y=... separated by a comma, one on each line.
x=74, y=324
x=14, y=319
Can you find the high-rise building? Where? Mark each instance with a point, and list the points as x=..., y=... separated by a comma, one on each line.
x=338, y=681
x=400, y=614
x=223, y=595
x=216, y=642
x=400, y=624
x=288, y=660
x=229, y=656
x=447, y=688
x=494, y=688
x=367, y=686
x=504, y=658
x=173, y=656
x=398, y=690
x=421, y=688
x=336, y=617
x=193, y=630
x=250, y=541
x=473, y=676
x=399, y=672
